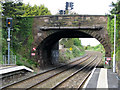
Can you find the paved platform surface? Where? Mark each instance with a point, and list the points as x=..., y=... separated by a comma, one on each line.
x=8, y=69
x=102, y=78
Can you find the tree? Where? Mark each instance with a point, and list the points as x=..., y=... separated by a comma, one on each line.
x=18, y=9
x=77, y=42
x=116, y=9
x=35, y=10
x=22, y=32
x=12, y=9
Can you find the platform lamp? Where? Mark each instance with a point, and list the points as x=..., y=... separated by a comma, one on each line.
x=114, y=55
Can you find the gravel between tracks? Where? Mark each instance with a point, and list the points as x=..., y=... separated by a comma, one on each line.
x=34, y=80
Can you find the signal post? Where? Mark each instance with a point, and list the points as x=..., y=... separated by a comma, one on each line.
x=8, y=25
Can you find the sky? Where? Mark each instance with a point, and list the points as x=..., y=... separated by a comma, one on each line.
x=89, y=41
x=90, y=7
x=99, y=7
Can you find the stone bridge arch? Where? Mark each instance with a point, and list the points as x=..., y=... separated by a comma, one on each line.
x=50, y=43
x=48, y=30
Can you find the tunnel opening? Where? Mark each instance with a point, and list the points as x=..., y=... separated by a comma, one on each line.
x=48, y=49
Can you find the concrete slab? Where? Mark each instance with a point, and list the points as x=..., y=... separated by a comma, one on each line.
x=4, y=67
x=93, y=81
x=102, y=79
x=12, y=69
x=112, y=79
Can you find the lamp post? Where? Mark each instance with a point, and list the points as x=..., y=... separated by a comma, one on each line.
x=114, y=55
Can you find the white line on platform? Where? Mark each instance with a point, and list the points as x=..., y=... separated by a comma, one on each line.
x=102, y=80
x=89, y=78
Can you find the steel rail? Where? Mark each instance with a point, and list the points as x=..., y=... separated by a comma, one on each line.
x=56, y=74
x=72, y=74
x=83, y=81
x=43, y=72
x=83, y=75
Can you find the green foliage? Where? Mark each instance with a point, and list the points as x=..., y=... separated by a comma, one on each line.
x=17, y=9
x=69, y=42
x=76, y=52
x=12, y=9
x=116, y=10
x=67, y=54
x=95, y=48
x=77, y=42
x=35, y=10
x=22, y=37
x=110, y=29
x=0, y=34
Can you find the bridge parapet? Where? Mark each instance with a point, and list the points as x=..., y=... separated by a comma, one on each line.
x=72, y=21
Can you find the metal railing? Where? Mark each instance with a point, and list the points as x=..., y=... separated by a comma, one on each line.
x=11, y=62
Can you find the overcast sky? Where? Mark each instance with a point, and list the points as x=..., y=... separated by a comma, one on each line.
x=80, y=6
x=90, y=7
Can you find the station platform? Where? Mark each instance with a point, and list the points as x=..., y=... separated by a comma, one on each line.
x=102, y=78
x=8, y=69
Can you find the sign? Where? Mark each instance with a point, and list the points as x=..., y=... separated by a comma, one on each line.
x=70, y=49
x=108, y=59
x=8, y=39
x=106, y=62
x=32, y=54
x=34, y=49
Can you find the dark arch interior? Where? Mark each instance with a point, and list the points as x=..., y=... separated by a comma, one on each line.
x=52, y=39
x=51, y=43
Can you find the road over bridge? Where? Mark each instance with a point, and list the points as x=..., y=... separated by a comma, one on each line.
x=48, y=30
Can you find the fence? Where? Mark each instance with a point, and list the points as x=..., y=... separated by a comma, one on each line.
x=11, y=62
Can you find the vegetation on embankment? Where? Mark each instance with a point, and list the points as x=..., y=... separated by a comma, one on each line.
x=110, y=28
x=98, y=48
x=111, y=34
x=115, y=10
x=0, y=33
x=95, y=48
x=22, y=38
x=71, y=48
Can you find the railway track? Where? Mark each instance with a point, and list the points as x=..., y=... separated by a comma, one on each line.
x=51, y=82
x=41, y=76
x=76, y=79
x=61, y=77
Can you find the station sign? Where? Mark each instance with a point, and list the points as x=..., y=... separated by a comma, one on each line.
x=32, y=54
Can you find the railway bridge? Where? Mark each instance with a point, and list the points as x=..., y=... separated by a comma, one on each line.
x=48, y=30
